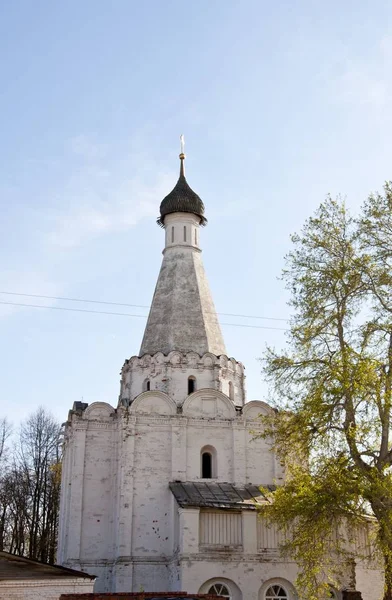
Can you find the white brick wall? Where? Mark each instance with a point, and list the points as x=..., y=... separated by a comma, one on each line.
x=43, y=590
x=120, y=520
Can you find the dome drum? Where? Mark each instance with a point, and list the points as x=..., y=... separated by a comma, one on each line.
x=171, y=373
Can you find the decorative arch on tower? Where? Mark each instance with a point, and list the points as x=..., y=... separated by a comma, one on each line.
x=98, y=409
x=175, y=357
x=254, y=408
x=153, y=402
x=207, y=403
x=209, y=359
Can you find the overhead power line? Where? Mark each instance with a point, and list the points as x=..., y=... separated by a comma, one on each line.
x=83, y=310
x=103, y=312
x=129, y=305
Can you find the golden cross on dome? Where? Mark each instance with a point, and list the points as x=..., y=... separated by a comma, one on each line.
x=182, y=154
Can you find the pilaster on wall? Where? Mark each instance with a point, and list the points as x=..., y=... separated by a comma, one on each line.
x=249, y=531
x=66, y=473
x=189, y=530
x=76, y=495
x=239, y=454
x=125, y=489
x=179, y=449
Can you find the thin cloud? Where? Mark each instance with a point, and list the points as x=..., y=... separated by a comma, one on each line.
x=368, y=83
x=105, y=195
x=20, y=281
x=94, y=191
x=83, y=146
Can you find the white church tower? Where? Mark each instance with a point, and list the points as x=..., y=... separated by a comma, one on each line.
x=159, y=492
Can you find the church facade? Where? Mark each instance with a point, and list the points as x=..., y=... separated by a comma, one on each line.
x=159, y=493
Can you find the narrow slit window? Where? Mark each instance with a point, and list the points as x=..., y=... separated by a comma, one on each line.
x=191, y=385
x=172, y=234
x=196, y=237
x=206, y=465
x=184, y=233
x=148, y=385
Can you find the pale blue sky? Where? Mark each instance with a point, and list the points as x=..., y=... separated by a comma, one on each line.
x=280, y=103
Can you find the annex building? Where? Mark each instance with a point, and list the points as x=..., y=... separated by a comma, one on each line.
x=159, y=492
x=25, y=579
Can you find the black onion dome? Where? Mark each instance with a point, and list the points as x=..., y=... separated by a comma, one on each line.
x=182, y=199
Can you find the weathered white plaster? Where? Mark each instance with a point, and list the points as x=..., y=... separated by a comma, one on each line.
x=45, y=589
x=170, y=374
x=119, y=519
x=182, y=315
x=131, y=532
x=368, y=580
x=120, y=508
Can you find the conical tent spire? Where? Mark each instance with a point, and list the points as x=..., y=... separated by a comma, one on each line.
x=182, y=315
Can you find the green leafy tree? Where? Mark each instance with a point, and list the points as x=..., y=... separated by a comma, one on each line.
x=332, y=388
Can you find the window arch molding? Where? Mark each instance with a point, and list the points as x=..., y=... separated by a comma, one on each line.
x=232, y=588
x=208, y=463
x=271, y=589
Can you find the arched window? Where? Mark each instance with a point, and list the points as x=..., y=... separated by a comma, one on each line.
x=220, y=589
x=146, y=385
x=231, y=390
x=276, y=592
x=208, y=463
x=184, y=233
x=191, y=384
x=172, y=234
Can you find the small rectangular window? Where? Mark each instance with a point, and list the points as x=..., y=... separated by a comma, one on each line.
x=172, y=234
x=184, y=233
x=191, y=385
x=206, y=465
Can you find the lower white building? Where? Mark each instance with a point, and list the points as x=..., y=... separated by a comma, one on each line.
x=159, y=492
x=25, y=579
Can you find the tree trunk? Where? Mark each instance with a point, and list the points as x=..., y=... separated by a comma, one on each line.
x=388, y=574
x=384, y=518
